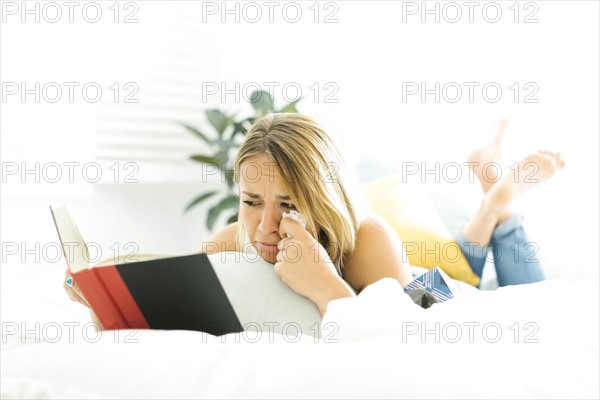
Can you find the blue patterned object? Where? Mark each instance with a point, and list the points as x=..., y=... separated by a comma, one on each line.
x=434, y=286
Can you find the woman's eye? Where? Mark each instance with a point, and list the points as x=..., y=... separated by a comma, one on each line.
x=288, y=206
x=249, y=203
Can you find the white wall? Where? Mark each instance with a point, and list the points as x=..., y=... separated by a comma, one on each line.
x=367, y=55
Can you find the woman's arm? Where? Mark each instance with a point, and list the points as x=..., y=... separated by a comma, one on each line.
x=379, y=254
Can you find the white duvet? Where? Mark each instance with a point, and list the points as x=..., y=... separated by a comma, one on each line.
x=528, y=341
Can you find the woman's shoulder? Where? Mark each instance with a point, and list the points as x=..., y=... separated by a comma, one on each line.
x=373, y=224
x=378, y=254
x=224, y=240
x=373, y=232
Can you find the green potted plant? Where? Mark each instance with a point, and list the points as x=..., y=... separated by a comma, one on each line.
x=224, y=143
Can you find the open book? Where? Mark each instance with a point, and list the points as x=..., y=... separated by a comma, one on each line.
x=157, y=292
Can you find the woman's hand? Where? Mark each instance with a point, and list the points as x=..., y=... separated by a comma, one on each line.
x=75, y=294
x=73, y=291
x=304, y=265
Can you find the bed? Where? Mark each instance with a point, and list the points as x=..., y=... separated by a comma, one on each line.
x=529, y=341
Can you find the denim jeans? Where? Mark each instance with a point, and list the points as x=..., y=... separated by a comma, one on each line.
x=514, y=255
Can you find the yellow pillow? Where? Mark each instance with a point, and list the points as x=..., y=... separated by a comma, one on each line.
x=427, y=241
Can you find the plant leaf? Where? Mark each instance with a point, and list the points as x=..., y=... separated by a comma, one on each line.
x=238, y=127
x=196, y=132
x=290, y=107
x=200, y=199
x=213, y=160
x=223, y=157
x=218, y=120
x=229, y=177
x=262, y=102
x=233, y=218
x=231, y=201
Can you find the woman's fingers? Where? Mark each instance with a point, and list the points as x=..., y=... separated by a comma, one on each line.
x=290, y=228
x=73, y=291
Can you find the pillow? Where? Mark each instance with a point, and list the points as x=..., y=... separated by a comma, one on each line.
x=427, y=241
x=261, y=300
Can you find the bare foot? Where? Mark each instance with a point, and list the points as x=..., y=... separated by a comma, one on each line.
x=485, y=161
x=533, y=170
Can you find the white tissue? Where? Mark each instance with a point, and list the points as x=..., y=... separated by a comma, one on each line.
x=296, y=216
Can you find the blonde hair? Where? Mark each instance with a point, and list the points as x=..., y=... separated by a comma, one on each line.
x=315, y=176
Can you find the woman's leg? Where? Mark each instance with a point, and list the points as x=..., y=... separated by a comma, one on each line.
x=494, y=213
x=533, y=170
x=514, y=254
x=474, y=253
x=515, y=258
x=485, y=164
x=475, y=237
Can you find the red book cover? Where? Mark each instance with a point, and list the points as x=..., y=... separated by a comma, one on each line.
x=130, y=316
x=99, y=299
x=159, y=292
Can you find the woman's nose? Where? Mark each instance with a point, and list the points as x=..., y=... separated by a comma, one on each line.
x=269, y=221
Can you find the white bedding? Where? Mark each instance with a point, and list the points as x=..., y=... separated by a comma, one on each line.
x=362, y=353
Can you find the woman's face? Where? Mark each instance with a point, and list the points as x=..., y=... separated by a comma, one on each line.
x=264, y=200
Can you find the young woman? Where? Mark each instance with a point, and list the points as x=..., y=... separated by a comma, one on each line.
x=287, y=162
